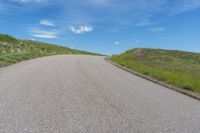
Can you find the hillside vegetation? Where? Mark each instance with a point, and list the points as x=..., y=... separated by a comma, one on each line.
x=179, y=68
x=13, y=50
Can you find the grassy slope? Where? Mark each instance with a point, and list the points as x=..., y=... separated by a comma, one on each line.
x=174, y=67
x=13, y=50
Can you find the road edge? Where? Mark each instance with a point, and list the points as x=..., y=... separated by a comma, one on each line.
x=11, y=64
x=172, y=87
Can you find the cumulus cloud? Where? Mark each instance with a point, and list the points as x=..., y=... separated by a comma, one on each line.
x=46, y=22
x=120, y=13
x=81, y=29
x=44, y=34
x=157, y=29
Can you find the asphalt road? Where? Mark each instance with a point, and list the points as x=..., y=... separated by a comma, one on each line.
x=85, y=94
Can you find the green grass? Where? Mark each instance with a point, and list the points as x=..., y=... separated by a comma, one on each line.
x=13, y=50
x=179, y=68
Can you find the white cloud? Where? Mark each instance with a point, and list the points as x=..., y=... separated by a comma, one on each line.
x=120, y=13
x=157, y=29
x=27, y=1
x=116, y=42
x=137, y=41
x=184, y=6
x=170, y=38
x=144, y=22
x=1, y=6
x=46, y=22
x=48, y=36
x=81, y=29
x=44, y=34
x=100, y=2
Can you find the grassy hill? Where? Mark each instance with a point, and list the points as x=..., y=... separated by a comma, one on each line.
x=179, y=68
x=13, y=50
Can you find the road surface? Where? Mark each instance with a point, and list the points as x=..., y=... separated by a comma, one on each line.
x=85, y=94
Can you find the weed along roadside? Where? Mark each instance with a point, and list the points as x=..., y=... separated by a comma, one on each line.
x=176, y=68
x=13, y=50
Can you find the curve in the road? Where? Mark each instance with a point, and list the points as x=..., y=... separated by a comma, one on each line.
x=85, y=94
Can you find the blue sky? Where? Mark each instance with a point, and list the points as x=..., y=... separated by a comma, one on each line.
x=105, y=26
